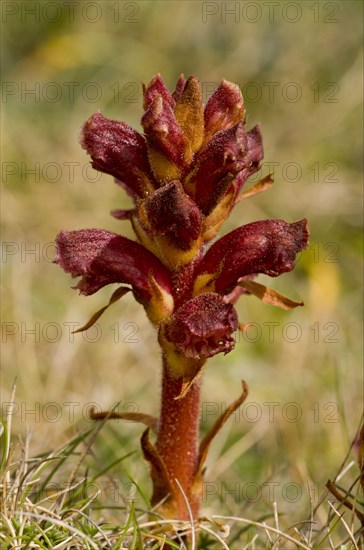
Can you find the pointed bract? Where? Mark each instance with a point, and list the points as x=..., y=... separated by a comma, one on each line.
x=189, y=115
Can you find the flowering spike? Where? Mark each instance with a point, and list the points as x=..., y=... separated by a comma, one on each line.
x=184, y=176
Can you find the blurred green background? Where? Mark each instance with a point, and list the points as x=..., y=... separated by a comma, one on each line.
x=299, y=66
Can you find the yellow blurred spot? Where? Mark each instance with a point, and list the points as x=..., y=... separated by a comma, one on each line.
x=324, y=287
x=63, y=52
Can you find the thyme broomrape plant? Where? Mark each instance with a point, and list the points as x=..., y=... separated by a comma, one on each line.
x=185, y=175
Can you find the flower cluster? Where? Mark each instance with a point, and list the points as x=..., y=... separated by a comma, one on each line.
x=184, y=175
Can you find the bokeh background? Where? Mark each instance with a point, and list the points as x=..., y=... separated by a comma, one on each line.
x=299, y=66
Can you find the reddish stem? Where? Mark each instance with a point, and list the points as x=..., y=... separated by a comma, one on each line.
x=177, y=440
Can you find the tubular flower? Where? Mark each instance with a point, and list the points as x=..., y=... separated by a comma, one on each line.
x=185, y=174
x=268, y=247
x=101, y=258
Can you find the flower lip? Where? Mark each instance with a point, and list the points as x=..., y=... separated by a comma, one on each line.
x=102, y=258
x=268, y=247
x=203, y=326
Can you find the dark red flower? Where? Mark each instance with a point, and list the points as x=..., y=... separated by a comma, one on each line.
x=118, y=150
x=163, y=133
x=224, y=109
x=174, y=222
x=229, y=153
x=157, y=88
x=203, y=327
x=101, y=258
x=268, y=247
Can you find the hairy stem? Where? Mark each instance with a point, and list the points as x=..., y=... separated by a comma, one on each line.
x=177, y=444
